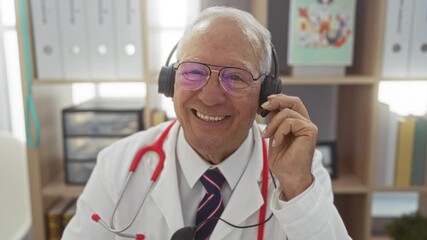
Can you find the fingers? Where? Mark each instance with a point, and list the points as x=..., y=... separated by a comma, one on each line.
x=293, y=129
x=288, y=122
x=280, y=101
x=279, y=118
x=288, y=119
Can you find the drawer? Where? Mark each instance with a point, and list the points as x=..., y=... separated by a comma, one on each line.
x=101, y=123
x=78, y=172
x=86, y=148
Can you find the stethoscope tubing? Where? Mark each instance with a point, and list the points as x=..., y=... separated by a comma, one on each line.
x=111, y=227
x=157, y=147
x=144, y=197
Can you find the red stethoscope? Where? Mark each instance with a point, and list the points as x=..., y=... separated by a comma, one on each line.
x=157, y=148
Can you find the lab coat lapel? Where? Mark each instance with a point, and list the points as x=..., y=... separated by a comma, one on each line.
x=246, y=198
x=165, y=193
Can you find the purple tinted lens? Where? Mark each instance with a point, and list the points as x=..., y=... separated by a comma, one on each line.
x=236, y=81
x=192, y=76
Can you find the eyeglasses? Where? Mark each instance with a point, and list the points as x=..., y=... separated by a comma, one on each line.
x=235, y=81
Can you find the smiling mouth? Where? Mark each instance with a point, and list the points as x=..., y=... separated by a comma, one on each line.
x=208, y=118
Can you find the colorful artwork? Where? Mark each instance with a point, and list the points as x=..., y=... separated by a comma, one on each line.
x=321, y=32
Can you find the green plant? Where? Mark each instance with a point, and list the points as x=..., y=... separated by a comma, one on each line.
x=408, y=227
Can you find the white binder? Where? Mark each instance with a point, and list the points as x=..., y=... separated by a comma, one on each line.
x=47, y=42
x=74, y=35
x=387, y=134
x=397, y=37
x=382, y=146
x=418, y=55
x=102, y=51
x=392, y=135
x=128, y=39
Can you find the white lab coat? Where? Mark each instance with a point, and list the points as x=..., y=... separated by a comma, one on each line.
x=311, y=215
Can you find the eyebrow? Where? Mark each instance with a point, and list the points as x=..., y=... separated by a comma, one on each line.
x=242, y=64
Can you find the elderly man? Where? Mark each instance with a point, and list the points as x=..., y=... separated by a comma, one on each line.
x=220, y=178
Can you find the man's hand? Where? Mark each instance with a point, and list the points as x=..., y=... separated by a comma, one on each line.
x=292, y=142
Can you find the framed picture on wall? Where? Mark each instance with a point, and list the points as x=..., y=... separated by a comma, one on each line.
x=321, y=32
x=329, y=160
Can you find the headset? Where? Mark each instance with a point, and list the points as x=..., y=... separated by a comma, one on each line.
x=271, y=84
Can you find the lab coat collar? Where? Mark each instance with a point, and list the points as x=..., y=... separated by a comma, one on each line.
x=193, y=166
x=246, y=198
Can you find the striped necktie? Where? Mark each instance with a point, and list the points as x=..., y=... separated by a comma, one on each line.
x=211, y=205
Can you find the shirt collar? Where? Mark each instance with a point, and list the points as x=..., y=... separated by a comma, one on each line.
x=193, y=166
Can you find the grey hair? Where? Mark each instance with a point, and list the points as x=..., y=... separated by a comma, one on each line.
x=258, y=36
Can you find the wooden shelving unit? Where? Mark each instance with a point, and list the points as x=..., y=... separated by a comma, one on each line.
x=58, y=187
x=357, y=103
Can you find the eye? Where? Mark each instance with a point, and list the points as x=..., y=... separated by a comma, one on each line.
x=193, y=74
x=235, y=81
x=236, y=77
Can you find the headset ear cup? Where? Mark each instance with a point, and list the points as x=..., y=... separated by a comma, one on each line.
x=268, y=87
x=167, y=81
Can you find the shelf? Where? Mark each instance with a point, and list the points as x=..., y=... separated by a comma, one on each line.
x=421, y=189
x=405, y=79
x=348, y=184
x=58, y=187
x=344, y=80
x=286, y=80
x=345, y=184
x=38, y=81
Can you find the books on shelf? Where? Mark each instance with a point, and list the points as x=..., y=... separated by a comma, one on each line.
x=321, y=33
x=401, y=152
x=404, y=149
x=419, y=152
x=386, y=145
x=58, y=216
x=69, y=213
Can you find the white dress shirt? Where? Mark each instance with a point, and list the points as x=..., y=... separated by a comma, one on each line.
x=191, y=167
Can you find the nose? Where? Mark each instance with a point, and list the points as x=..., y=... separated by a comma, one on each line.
x=212, y=92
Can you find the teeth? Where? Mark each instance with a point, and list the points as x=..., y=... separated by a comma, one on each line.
x=209, y=118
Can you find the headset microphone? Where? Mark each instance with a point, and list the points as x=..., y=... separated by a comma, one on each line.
x=185, y=233
x=188, y=233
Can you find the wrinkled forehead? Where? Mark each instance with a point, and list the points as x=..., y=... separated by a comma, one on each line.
x=216, y=41
x=220, y=28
